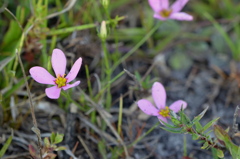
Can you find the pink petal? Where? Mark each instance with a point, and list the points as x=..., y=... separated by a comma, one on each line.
x=158, y=5
x=178, y=5
x=158, y=16
x=147, y=107
x=159, y=95
x=71, y=85
x=181, y=16
x=74, y=70
x=58, y=62
x=162, y=118
x=41, y=75
x=53, y=92
x=176, y=106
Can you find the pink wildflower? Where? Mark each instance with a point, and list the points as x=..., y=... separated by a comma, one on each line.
x=41, y=75
x=162, y=11
x=159, y=97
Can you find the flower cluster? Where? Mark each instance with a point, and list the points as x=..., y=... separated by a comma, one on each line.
x=59, y=62
x=161, y=110
x=163, y=11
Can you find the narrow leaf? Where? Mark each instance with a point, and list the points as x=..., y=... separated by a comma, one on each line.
x=197, y=118
x=209, y=124
x=6, y=145
x=172, y=130
x=198, y=126
x=205, y=145
x=220, y=153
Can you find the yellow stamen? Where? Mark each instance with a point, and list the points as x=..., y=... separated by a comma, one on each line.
x=165, y=112
x=165, y=13
x=61, y=81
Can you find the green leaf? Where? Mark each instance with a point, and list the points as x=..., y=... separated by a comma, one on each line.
x=180, y=60
x=102, y=149
x=174, y=118
x=198, y=126
x=52, y=137
x=223, y=136
x=14, y=88
x=199, y=117
x=184, y=119
x=169, y=125
x=60, y=148
x=58, y=138
x=47, y=142
x=209, y=124
x=175, y=121
x=6, y=145
x=195, y=136
x=5, y=61
x=205, y=145
x=172, y=130
x=137, y=75
x=220, y=133
x=208, y=132
x=225, y=35
x=220, y=153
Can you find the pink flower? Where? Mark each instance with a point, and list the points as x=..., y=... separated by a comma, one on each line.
x=41, y=75
x=162, y=11
x=159, y=97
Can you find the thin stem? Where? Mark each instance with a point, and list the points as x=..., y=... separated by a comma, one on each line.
x=235, y=125
x=204, y=138
x=102, y=113
x=120, y=114
x=108, y=73
x=80, y=27
x=184, y=146
x=140, y=43
x=69, y=6
x=35, y=128
x=141, y=137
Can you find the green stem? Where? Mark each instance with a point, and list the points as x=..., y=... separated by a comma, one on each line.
x=205, y=138
x=140, y=43
x=120, y=114
x=109, y=83
x=141, y=137
x=108, y=73
x=66, y=95
x=80, y=27
x=184, y=146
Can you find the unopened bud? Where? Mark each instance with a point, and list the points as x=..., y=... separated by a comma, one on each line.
x=105, y=3
x=103, y=31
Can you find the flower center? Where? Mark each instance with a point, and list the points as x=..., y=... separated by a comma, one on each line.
x=165, y=112
x=165, y=13
x=61, y=81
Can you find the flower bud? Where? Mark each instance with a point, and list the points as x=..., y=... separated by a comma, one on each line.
x=105, y=3
x=103, y=31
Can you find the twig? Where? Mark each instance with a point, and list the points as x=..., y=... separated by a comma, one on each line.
x=20, y=26
x=134, y=78
x=148, y=71
x=35, y=126
x=74, y=149
x=235, y=125
x=70, y=5
x=4, y=5
x=96, y=129
x=85, y=147
x=100, y=110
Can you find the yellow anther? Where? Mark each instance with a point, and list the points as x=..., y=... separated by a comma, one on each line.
x=61, y=81
x=165, y=13
x=165, y=112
